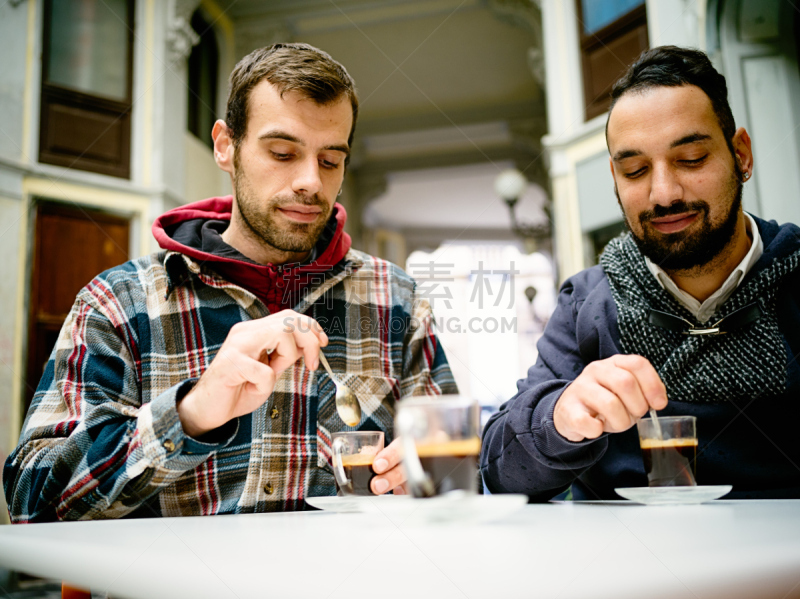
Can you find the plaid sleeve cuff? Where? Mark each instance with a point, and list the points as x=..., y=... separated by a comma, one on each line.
x=164, y=439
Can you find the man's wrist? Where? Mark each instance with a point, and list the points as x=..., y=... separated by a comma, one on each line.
x=164, y=432
x=549, y=441
x=187, y=414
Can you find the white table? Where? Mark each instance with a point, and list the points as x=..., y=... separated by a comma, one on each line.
x=725, y=549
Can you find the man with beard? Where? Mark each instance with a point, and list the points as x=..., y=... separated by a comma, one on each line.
x=186, y=382
x=695, y=311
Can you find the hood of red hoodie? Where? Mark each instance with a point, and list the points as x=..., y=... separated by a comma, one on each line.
x=219, y=208
x=260, y=279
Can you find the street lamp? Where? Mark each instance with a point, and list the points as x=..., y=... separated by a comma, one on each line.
x=509, y=185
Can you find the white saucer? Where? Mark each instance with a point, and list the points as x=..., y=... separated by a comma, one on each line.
x=352, y=504
x=455, y=506
x=674, y=495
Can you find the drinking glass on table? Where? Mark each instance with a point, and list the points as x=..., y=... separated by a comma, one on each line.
x=353, y=454
x=669, y=454
x=441, y=443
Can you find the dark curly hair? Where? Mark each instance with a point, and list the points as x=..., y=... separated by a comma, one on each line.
x=671, y=66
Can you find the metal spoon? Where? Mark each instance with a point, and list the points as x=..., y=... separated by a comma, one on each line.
x=656, y=424
x=346, y=402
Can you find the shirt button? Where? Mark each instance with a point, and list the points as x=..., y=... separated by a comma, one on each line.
x=274, y=413
x=169, y=445
x=268, y=488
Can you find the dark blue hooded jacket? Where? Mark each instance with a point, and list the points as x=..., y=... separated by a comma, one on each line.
x=754, y=446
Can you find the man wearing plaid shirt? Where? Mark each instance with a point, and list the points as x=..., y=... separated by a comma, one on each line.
x=186, y=382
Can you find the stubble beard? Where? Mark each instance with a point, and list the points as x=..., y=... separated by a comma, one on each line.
x=694, y=252
x=261, y=219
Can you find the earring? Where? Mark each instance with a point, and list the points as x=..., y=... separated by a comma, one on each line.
x=746, y=175
x=340, y=192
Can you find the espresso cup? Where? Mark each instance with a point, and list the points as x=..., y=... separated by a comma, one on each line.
x=441, y=443
x=353, y=454
x=669, y=458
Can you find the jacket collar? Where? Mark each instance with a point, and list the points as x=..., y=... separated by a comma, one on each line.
x=180, y=268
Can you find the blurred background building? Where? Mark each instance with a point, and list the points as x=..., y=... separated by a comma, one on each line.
x=107, y=108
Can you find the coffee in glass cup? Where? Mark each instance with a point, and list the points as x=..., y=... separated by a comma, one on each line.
x=353, y=455
x=441, y=443
x=669, y=457
x=451, y=464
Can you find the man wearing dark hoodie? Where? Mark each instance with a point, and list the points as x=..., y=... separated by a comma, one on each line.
x=186, y=382
x=695, y=311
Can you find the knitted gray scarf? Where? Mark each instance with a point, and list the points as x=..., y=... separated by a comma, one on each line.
x=743, y=364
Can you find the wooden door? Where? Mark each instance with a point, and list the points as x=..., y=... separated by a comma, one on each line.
x=71, y=246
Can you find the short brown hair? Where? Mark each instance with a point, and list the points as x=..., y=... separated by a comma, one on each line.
x=291, y=68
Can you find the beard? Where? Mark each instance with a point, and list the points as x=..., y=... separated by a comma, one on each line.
x=264, y=222
x=687, y=250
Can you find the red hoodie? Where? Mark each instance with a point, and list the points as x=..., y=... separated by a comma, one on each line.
x=278, y=286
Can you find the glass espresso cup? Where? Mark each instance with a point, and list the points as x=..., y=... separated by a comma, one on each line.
x=441, y=443
x=669, y=458
x=353, y=454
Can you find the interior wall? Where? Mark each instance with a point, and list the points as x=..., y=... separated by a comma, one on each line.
x=203, y=178
x=758, y=54
x=18, y=75
x=599, y=206
x=11, y=365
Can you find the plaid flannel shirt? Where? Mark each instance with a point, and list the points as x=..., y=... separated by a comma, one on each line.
x=102, y=438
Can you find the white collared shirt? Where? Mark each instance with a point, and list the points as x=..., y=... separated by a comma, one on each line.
x=702, y=312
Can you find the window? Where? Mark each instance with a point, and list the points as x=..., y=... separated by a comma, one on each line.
x=87, y=71
x=612, y=34
x=203, y=72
